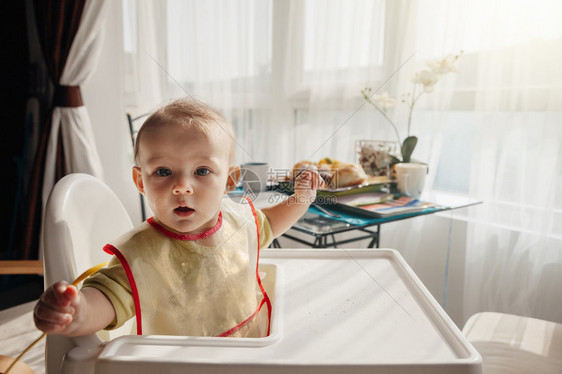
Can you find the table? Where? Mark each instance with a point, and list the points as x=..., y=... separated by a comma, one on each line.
x=320, y=223
x=21, y=267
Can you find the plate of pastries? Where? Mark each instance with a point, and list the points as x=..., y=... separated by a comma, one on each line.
x=337, y=175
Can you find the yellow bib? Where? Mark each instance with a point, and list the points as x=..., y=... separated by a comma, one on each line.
x=183, y=288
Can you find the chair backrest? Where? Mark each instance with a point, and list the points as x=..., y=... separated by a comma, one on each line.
x=81, y=216
x=134, y=129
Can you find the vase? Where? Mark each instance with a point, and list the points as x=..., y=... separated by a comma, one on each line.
x=410, y=177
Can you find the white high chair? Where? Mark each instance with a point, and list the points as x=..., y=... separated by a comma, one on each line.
x=351, y=311
x=81, y=216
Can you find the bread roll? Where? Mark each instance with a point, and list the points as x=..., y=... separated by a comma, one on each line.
x=336, y=174
x=347, y=175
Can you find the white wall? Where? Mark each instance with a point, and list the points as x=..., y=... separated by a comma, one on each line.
x=102, y=94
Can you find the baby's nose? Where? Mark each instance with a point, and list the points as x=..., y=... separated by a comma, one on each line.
x=182, y=186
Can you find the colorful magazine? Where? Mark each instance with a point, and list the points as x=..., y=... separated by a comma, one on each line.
x=401, y=205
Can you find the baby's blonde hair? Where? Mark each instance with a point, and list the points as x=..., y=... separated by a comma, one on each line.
x=191, y=114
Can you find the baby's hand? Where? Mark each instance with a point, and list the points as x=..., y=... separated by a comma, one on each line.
x=308, y=182
x=58, y=309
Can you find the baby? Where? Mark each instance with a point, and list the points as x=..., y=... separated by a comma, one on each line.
x=191, y=269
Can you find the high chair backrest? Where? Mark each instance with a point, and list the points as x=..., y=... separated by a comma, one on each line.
x=81, y=215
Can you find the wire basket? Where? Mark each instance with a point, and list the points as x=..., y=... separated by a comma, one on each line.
x=375, y=156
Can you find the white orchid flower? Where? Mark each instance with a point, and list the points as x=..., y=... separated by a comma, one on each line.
x=426, y=78
x=444, y=65
x=384, y=100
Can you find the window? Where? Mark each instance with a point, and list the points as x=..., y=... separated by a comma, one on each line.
x=219, y=42
x=454, y=164
x=291, y=72
x=356, y=27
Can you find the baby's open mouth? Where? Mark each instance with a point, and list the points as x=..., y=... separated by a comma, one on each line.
x=183, y=210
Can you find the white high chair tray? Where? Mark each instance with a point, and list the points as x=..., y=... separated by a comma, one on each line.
x=335, y=311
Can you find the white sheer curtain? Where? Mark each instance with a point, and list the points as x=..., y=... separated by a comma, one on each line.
x=335, y=48
x=506, y=107
x=222, y=55
x=216, y=51
x=515, y=240
x=288, y=74
x=81, y=154
x=145, y=50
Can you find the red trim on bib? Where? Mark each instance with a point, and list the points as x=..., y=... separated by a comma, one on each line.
x=108, y=248
x=265, y=296
x=241, y=324
x=175, y=235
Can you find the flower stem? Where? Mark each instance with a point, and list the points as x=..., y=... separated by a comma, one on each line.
x=414, y=100
x=368, y=98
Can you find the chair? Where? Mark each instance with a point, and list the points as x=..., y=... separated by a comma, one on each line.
x=511, y=344
x=133, y=130
x=81, y=216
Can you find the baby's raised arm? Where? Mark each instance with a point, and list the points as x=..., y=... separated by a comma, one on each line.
x=65, y=310
x=283, y=215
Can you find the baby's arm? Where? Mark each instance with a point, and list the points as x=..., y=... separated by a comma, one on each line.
x=65, y=310
x=283, y=215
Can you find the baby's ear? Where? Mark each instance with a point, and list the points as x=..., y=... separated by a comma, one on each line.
x=137, y=178
x=233, y=176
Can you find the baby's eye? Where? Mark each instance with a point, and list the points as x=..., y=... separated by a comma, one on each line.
x=162, y=172
x=202, y=171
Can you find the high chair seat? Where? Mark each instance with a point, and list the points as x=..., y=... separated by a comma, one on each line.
x=82, y=214
x=511, y=344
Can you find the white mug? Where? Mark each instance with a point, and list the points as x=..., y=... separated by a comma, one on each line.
x=254, y=176
x=411, y=178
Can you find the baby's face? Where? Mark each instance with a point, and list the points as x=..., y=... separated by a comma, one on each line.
x=183, y=174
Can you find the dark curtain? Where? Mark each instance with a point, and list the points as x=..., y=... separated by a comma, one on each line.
x=14, y=75
x=57, y=24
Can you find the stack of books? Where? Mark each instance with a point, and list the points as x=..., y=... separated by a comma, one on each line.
x=382, y=205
